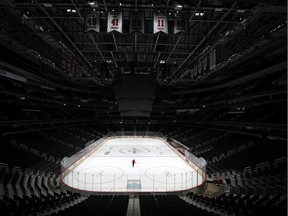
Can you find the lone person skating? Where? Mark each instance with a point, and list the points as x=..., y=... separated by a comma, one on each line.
x=133, y=162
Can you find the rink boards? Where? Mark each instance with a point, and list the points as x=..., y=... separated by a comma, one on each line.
x=108, y=168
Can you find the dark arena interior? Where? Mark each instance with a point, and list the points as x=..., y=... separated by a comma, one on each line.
x=208, y=76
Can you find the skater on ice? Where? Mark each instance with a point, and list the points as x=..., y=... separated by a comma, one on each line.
x=133, y=162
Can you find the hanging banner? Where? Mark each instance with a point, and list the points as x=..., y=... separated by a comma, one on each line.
x=160, y=23
x=137, y=22
x=196, y=69
x=92, y=22
x=114, y=21
x=212, y=59
x=193, y=72
x=205, y=62
x=200, y=65
x=180, y=23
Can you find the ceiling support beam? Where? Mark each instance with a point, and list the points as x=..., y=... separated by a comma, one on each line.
x=65, y=35
x=157, y=59
x=193, y=13
x=154, y=49
x=167, y=5
x=135, y=42
x=171, y=52
x=200, y=43
x=174, y=47
x=115, y=43
x=113, y=57
x=156, y=42
x=105, y=6
x=115, y=63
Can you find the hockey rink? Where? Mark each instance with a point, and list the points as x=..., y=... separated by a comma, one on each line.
x=158, y=168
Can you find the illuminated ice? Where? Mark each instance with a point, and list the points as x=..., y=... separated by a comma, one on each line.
x=158, y=168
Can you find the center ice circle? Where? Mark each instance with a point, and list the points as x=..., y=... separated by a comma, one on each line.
x=130, y=150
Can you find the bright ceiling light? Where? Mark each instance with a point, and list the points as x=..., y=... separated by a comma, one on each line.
x=199, y=14
x=241, y=11
x=47, y=4
x=93, y=3
x=218, y=9
x=178, y=7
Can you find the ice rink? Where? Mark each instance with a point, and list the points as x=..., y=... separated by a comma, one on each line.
x=109, y=168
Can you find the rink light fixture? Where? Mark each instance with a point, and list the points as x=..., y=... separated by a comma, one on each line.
x=218, y=9
x=93, y=3
x=71, y=10
x=178, y=7
x=199, y=14
x=241, y=11
x=47, y=4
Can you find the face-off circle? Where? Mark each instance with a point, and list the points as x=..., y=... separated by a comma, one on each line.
x=99, y=175
x=170, y=173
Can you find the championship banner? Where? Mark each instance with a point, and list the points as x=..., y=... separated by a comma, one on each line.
x=137, y=22
x=212, y=59
x=92, y=22
x=180, y=23
x=114, y=21
x=160, y=23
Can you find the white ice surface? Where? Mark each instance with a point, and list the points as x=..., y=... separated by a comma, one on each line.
x=157, y=168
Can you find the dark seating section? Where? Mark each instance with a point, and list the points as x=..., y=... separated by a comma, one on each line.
x=242, y=204
x=266, y=112
x=224, y=144
x=65, y=137
x=99, y=205
x=28, y=182
x=15, y=156
x=42, y=144
x=35, y=205
x=168, y=205
x=82, y=134
x=264, y=150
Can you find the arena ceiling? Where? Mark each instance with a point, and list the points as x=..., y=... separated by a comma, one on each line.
x=244, y=36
